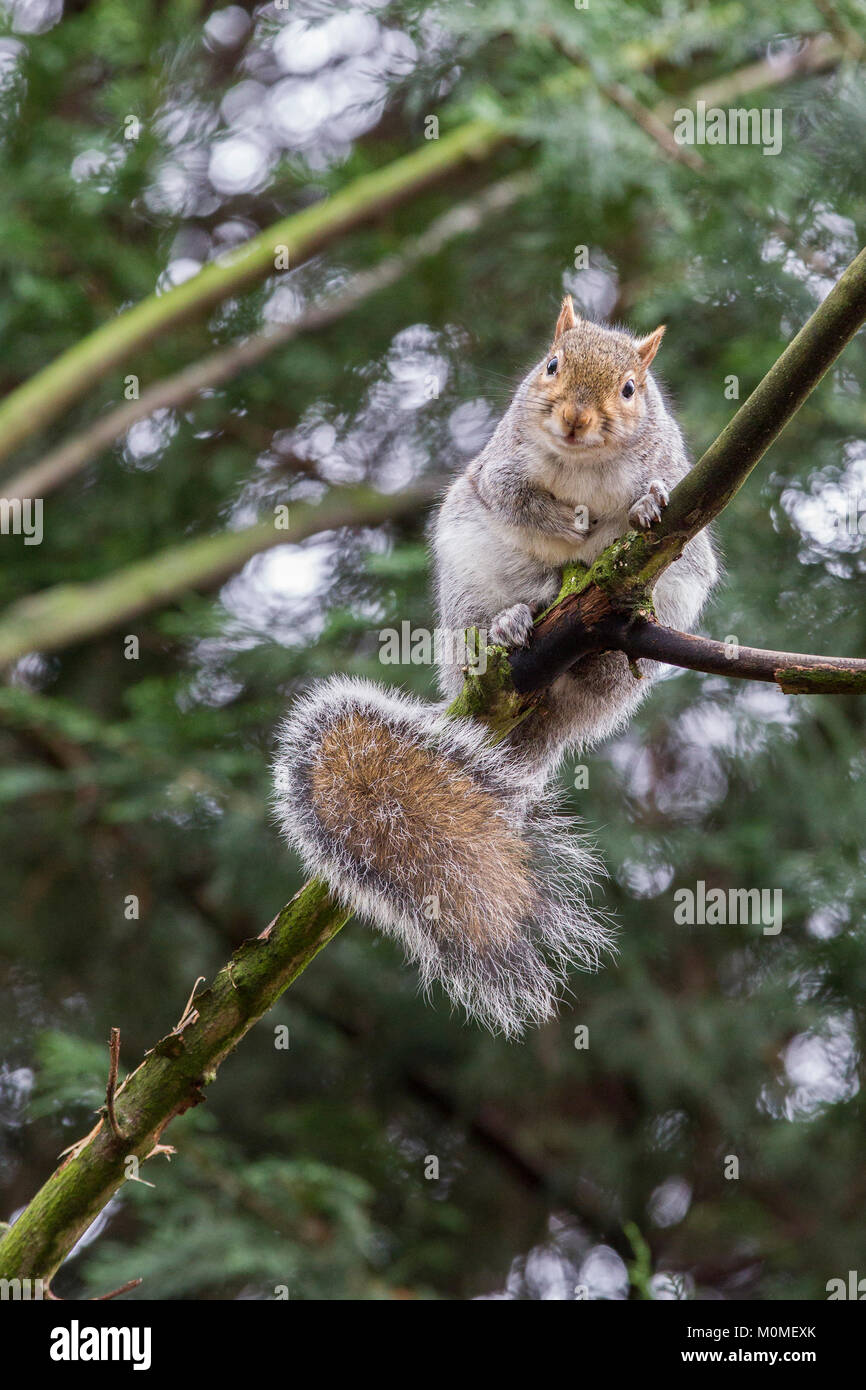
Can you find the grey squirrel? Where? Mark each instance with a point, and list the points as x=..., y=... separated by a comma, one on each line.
x=447, y=843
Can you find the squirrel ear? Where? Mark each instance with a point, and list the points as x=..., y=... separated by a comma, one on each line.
x=648, y=347
x=567, y=318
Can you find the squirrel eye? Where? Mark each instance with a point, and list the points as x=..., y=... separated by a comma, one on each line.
x=552, y=366
x=628, y=389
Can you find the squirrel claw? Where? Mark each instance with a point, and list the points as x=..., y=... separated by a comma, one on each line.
x=648, y=509
x=512, y=627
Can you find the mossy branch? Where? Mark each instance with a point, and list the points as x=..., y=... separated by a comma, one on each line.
x=171, y=1079
x=62, y=463
x=69, y=613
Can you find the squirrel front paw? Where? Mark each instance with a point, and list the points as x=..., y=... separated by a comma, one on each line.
x=648, y=509
x=512, y=627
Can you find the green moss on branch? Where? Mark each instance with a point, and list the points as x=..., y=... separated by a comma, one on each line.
x=170, y=1080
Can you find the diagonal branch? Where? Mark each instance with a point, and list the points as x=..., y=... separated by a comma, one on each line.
x=38, y=401
x=170, y=1080
x=69, y=613
x=221, y=366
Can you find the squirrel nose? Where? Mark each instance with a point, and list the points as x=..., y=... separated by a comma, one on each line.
x=577, y=418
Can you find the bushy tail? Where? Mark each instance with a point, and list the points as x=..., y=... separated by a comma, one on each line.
x=423, y=828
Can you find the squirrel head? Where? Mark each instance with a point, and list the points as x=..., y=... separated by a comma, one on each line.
x=589, y=392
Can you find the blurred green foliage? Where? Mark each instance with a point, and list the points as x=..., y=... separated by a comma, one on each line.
x=305, y=1171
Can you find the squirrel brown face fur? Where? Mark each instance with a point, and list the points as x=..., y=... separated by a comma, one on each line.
x=590, y=391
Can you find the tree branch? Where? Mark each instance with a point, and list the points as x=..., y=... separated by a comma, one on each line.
x=793, y=672
x=819, y=53
x=68, y=613
x=68, y=458
x=170, y=1080
x=41, y=399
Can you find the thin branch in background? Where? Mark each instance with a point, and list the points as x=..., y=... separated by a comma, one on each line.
x=67, y=613
x=850, y=40
x=62, y=463
x=44, y=396
x=115, y=1293
x=652, y=126
x=100, y=1298
x=818, y=54
x=111, y=1088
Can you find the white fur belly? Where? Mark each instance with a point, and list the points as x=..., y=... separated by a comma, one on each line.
x=553, y=552
x=493, y=571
